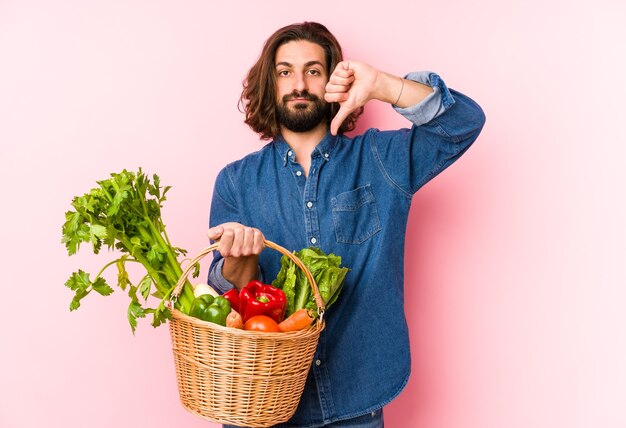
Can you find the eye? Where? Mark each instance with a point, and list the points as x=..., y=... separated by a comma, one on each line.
x=283, y=73
x=315, y=72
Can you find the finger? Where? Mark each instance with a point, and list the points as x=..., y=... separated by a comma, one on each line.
x=336, y=79
x=336, y=97
x=248, y=241
x=259, y=242
x=226, y=242
x=341, y=115
x=343, y=69
x=214, y=233
x=333, y=88
x=236, y=250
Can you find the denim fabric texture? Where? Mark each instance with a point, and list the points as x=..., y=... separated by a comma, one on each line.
x=354, y=203
x=370, y=420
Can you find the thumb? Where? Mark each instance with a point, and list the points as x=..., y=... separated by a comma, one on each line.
x=215, y=233
x=341, y=115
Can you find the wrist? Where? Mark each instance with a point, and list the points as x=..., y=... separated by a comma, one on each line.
x=240, y=270
x=389, y=88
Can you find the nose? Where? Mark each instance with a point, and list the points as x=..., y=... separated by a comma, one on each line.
x=299, y=83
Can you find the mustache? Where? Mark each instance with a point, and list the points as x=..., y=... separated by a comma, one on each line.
x=300, y=94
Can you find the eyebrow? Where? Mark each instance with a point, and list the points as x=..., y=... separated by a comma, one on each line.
x=308, y=64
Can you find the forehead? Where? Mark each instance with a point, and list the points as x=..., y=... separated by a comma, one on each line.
x=300, y=52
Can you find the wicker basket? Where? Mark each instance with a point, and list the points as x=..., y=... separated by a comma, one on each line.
x=240, y=377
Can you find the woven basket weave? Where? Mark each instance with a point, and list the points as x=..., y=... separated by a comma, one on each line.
x=239, y=377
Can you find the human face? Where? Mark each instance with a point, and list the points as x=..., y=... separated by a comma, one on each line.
x=300, y=85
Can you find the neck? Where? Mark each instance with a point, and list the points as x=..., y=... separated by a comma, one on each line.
x=305, y=139
x=303, y=143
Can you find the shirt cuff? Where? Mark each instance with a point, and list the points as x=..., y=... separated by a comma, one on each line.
x=217, y=280
x=433, y=105
x=221, y=284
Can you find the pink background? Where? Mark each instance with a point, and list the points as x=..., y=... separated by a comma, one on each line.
x=516, y=255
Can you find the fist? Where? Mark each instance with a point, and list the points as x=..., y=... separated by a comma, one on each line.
x=352, y=84
x=237, y=240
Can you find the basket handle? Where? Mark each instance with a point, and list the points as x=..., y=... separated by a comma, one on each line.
x=319, y=302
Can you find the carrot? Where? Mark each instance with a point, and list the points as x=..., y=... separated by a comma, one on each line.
x=299, y=320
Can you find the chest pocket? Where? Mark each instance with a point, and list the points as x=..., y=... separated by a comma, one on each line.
x=355, y=215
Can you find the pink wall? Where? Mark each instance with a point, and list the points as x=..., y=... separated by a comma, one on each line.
x=516, y=255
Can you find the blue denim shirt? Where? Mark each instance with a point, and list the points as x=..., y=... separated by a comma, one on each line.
x=354, y=203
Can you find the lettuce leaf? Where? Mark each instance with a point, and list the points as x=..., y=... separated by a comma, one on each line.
x=326, y=270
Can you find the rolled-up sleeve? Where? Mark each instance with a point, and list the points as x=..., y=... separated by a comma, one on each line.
x=216, y=278
x=445, y=124
x=433, y=105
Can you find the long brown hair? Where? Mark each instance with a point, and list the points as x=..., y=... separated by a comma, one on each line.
x=258, y=98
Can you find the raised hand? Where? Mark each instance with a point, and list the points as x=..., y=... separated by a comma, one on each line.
x=351, y=84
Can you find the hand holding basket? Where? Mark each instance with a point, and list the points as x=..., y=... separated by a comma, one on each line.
x=239, y=377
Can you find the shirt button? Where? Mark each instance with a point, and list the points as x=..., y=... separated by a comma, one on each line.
x=326, y=155
x=309, y=204
x=289, y=153
x=318, y=362
x=298, y=173
x=313, y=241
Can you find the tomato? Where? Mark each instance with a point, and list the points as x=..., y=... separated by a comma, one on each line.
x=262, y=323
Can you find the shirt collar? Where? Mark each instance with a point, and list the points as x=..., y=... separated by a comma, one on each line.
x=323, y=149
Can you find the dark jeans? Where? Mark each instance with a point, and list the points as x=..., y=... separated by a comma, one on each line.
x=370, y=420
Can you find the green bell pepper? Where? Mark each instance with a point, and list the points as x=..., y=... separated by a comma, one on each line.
x=209, y=308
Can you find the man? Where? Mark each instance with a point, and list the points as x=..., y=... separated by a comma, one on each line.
x=313, y=186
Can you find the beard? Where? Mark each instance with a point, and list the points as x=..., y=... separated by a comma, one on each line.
x=304, y=116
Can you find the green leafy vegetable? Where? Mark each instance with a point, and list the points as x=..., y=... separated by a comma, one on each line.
x=326, y=270
x=124, y=213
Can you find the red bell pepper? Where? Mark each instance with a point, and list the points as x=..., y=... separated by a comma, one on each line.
x=257, y=298
x=232, y=296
